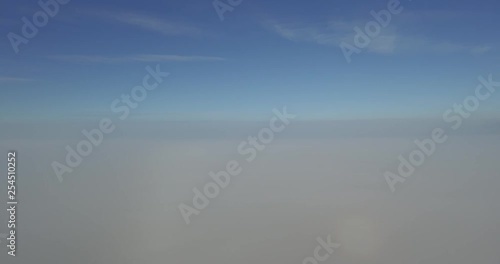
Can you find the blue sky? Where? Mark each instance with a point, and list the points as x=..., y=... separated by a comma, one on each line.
x=263, y=55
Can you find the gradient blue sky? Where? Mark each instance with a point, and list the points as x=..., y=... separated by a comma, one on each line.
x=265, y=54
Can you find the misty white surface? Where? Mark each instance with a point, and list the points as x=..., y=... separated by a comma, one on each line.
x=120, y=205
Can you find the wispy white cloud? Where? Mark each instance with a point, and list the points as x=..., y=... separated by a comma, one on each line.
x=147, y=22
x=13, y=79
x=423, y=44
x=389, y=41
x=331, y=33
x=319, y=34
x=481, y=49
x=134, y=58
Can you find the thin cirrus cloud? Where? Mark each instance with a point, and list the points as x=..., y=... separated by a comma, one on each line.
x=388, y=41
x=13, y=79
x=134, y=58
x=331, y=34
x=147, y=22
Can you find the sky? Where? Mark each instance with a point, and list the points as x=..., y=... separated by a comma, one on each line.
x=262, y=55
x=323, y=174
